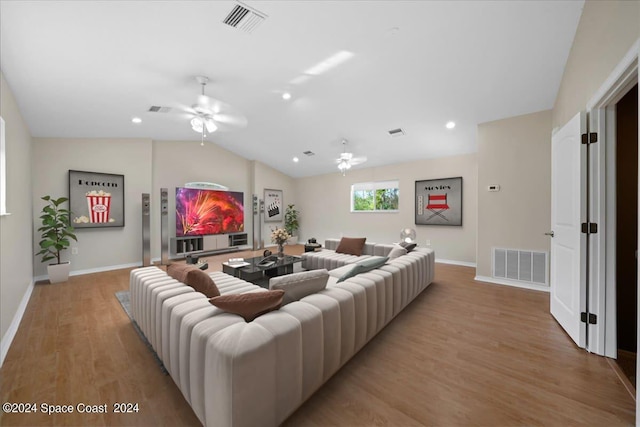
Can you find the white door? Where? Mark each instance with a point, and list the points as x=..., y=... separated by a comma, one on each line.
x=568, y=212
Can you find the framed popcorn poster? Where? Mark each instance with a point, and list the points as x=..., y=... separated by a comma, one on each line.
x=439, y=201
x=273, y=211
x=96, y=200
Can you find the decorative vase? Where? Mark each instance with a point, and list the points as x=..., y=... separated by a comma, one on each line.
x=280, y=250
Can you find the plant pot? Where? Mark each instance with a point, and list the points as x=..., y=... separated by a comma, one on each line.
x=293, y=240
x=58, y=272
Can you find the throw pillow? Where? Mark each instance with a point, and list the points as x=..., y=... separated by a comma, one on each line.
x=250, y=305
x=299, y=285
x=179, y=271
x=202, y=282
x=397, y=251
x=192, y=276
x=363, y=266
x=408, y=246
x=351, y=245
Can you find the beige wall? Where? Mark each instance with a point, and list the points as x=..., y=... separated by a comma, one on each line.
x=514, y=153
x=606, y=31
x=16, y=250
x=97, y=248
x=267, y=177
x=177, y=162
x=324, y=204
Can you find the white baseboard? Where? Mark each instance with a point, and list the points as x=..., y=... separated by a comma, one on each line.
x=524, y=285
x=7, y=339
x=454, y=262
x=94, y=270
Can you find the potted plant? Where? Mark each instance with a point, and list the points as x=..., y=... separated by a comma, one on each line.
x=56, y=231
x=291, y=223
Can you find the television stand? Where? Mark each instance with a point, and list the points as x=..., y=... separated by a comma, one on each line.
x=207, y=245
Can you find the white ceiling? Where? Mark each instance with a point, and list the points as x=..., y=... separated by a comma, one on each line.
x=84, y=69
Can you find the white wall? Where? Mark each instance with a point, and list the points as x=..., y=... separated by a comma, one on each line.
x=324, y=204
x=514, y=153
x=267, y=177
x=98, y=249
x=177, y=162
x=16, y=250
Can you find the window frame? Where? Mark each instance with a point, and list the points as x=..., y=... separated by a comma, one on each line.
x=374, y=186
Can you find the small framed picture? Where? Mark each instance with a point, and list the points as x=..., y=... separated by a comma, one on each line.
x=273, y=211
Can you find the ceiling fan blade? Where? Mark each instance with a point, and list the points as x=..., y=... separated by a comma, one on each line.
x=236, y=120
x=358, y=160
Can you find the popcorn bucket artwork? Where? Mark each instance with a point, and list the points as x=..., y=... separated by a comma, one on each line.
x=96, y=199
x=99, y=204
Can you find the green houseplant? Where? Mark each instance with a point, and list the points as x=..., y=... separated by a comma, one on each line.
x=56, y=234
x=291, y=223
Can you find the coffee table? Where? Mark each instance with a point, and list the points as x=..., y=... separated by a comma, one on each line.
x=260, y=274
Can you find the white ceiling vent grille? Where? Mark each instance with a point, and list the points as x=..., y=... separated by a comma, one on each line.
x=309, y=153
x=158, y=109
x=396, y=132
x=524, y=266
x=244, y=18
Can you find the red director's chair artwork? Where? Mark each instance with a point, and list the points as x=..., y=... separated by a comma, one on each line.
x=437, y=203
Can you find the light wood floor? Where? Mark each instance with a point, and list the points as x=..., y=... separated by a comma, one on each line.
x=461, y=354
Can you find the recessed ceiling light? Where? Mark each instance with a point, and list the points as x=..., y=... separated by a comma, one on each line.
x=286, y=96
x=450, y=125
x=136, y=120
x=296, y=160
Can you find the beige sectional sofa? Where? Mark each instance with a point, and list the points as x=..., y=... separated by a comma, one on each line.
x=237, y=373
x=328, y=258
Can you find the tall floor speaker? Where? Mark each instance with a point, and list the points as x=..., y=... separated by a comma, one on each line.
x=146, y=229
x=164, y=226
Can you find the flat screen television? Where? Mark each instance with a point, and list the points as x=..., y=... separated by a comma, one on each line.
x=201, y=212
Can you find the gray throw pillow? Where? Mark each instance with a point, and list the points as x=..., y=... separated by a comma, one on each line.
x=397, y=251
x=408, y=246
x=299, y=285
x=363, y=266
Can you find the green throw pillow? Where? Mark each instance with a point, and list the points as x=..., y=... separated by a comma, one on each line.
x=363, y=266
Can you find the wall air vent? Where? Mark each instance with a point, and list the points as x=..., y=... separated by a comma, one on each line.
x=158, y=109
x=309, y=153
x=396, y=132
x=524, y=266
x=244, y=18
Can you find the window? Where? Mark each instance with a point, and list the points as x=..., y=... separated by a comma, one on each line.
x=3, y=171
x=374, y=196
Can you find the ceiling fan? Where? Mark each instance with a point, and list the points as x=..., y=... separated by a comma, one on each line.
x=346, y=160
x=209, y=115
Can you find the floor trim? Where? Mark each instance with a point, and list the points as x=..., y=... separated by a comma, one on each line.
x=7, y=339
x=622, y=377
x=454, y=262
x=523, y=285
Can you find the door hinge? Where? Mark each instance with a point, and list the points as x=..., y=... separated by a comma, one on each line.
x=591, y=318
x=589, y=138
x=589, y=227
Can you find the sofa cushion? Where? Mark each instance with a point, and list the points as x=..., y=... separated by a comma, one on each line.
x=299, y=285
x=363, y=266
x=351, y=245
x=408, y=246
x=250, y=305
x=192, y=276
x=397, y=251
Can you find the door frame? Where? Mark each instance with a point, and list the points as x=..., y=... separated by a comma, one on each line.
x=602, y=298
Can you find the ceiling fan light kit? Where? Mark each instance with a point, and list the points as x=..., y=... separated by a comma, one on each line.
x=346, y=160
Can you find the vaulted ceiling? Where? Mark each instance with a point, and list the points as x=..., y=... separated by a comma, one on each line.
x=85, y=69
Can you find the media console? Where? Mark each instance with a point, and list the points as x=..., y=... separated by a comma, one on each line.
x=185, y=245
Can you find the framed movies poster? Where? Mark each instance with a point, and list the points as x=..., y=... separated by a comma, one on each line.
x=439, y=201
x=273, y=211
x=96, y=200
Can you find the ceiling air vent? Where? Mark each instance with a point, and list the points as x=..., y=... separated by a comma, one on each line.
x=396, y=132
x=309, y=153
x=244, y=18
x=158, y=109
